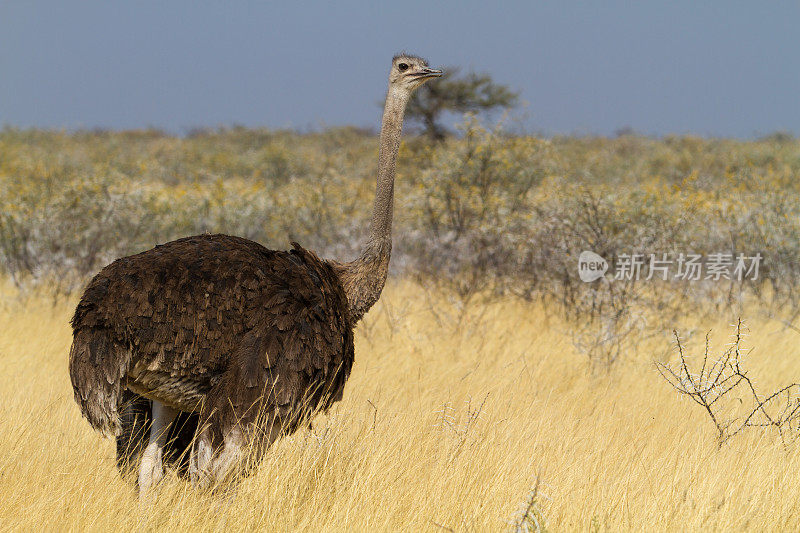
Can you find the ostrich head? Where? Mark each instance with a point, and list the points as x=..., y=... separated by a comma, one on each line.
x=409, y=72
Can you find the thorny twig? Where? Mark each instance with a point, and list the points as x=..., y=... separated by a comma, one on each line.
x=461, y=431
x=374, y=414
x=725, y=378
x=532, y=520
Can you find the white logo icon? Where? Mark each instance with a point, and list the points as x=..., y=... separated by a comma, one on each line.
x=591, y=266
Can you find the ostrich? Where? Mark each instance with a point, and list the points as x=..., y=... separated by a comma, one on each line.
x=216, y=340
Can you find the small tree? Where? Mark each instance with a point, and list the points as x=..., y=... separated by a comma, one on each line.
x=470, y=92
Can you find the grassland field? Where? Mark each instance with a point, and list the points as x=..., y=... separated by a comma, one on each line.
x=470, y=406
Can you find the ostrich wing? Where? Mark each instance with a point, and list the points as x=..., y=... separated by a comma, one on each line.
x=293, y=362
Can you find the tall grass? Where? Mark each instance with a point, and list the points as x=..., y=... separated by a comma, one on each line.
x=449, y=421
x=475, y=402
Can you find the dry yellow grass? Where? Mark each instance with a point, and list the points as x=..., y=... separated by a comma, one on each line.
x=400, y=453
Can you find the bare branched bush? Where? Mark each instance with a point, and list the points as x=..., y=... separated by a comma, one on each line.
x=727, y=394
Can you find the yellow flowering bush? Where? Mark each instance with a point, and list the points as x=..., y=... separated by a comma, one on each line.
x=486, y=212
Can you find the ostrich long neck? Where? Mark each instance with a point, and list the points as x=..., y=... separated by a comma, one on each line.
x=364, y=278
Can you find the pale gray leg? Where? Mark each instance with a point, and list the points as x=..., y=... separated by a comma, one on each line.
x=209, y=467
x=152, y=469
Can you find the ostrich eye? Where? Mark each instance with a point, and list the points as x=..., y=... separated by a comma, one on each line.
x=403, y=67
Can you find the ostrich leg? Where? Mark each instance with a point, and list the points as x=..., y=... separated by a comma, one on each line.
x=152, y=468
x=241, y=449
x=210, y=467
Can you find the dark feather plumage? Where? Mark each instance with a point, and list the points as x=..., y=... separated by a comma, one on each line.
x=213, y=324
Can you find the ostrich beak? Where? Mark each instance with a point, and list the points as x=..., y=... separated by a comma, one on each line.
x=427, y=72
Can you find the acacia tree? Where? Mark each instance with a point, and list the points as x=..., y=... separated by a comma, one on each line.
x=468, y=92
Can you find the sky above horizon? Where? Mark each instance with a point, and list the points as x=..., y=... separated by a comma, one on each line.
x=713, y=68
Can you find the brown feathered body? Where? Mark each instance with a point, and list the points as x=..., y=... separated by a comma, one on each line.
x=213, y=324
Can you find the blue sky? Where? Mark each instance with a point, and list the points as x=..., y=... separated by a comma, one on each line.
x=722, y=68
